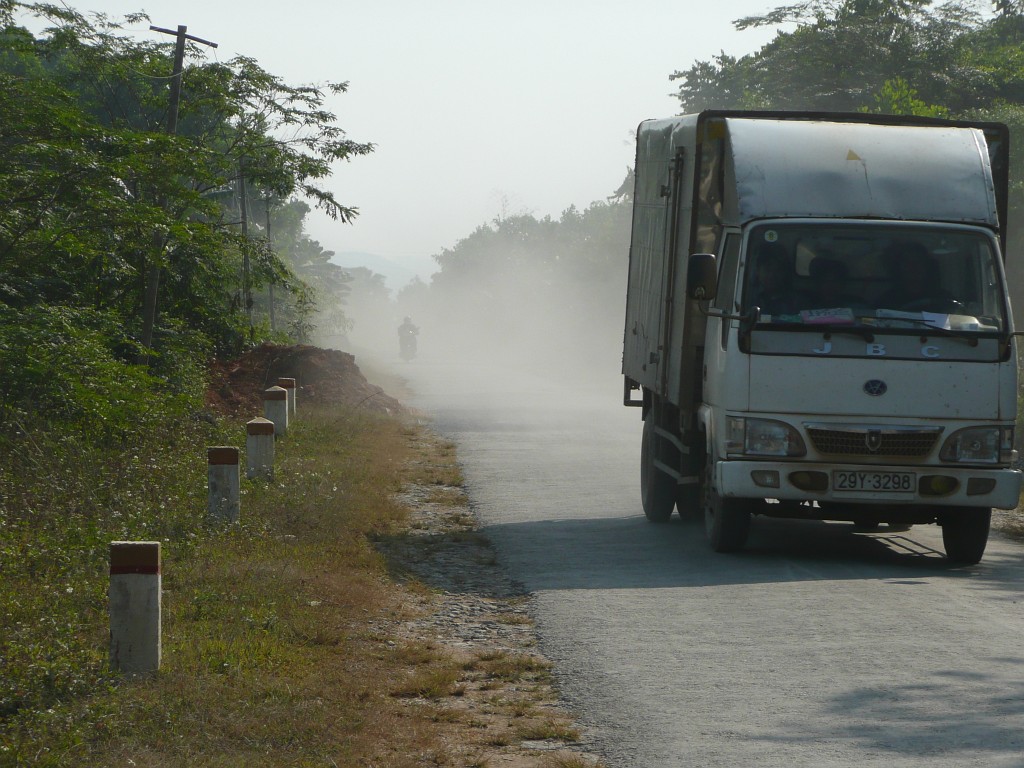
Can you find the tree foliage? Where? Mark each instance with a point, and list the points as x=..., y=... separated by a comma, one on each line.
x=841, y=54
x=96, y=197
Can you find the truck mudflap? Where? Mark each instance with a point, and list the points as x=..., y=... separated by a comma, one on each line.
x=940, y=486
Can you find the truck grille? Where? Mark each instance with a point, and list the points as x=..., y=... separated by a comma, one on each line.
x=838, y=440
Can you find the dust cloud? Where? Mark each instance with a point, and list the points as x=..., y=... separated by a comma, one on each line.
x=550, y=305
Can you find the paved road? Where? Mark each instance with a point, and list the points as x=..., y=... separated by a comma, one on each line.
x=814, y=647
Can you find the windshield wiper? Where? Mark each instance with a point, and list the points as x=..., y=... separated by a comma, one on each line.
x=939, y=330
x=868, y=330
x=927, y=329
x=860, y=330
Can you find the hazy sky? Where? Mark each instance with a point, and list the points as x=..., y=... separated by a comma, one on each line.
x=477, y=107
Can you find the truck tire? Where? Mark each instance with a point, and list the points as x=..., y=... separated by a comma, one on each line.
x=688, y=502
x=657, y=490
x=965, y=533
x=689, y=496
x=726, y=520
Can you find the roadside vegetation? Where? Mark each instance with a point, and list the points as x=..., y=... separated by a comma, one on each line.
x=281, y=641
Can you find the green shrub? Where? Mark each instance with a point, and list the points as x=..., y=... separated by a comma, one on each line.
x=70, y=366
x=93, y=448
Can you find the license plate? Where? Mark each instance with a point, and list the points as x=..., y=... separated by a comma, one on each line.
x=882, y=482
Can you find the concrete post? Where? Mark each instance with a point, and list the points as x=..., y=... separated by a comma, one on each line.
x=289, y=386
x=259, y=449
x=275, y=408
x=222, y=503
x=134, y=599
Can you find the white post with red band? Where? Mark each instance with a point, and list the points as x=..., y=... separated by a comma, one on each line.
x=224, y=483
x=259, y=449
x=134, y=598
x=275, y=408
x=290, y=387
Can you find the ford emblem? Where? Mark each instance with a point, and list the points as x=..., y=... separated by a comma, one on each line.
x=875, y=387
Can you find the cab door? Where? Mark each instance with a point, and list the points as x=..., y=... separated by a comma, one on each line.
x=725, y=365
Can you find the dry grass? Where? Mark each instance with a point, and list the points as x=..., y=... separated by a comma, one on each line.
x=508, y=667
x=548, y=730
x=515, y=619
x=434, y=463
x=269, y=656
x=279, y=634
x=447, y=496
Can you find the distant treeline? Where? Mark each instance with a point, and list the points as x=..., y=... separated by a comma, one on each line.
x=523, y=289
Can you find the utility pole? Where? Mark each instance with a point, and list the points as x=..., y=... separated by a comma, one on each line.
x=243, y=204
x=152, y=291
x=270, y=248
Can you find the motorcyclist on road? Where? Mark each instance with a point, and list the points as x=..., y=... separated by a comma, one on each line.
x=407, y=333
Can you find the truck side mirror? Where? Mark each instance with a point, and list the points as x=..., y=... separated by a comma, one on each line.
x=701, y=277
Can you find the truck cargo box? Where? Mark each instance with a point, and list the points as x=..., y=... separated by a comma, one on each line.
x=696, y=175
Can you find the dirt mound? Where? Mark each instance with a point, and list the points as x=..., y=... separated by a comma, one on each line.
x=321, y=375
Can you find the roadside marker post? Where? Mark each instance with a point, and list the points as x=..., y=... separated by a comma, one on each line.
x=290, y=387
x=275, y=408
x=134, y=602
x=224, y=483
x=259, y=449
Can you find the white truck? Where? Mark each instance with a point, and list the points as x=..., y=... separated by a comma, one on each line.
x=818, y=325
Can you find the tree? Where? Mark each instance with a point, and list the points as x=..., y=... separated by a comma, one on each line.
x=896, y=97
x=537, y=291
x=93, y=192
x=369, y=307
x=840, y=54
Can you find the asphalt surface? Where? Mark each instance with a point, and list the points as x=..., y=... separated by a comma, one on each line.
x=816, y=646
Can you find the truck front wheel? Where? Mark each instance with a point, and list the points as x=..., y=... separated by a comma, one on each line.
x=965, y=533
x=726, y=520
x=657, y=490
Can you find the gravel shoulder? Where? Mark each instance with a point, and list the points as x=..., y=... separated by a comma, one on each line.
x=461, y=606
x=1010, y=522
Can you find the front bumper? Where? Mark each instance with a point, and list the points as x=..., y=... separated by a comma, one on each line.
x=961, y=486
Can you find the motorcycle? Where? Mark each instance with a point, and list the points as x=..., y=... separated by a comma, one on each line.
x=407, y=340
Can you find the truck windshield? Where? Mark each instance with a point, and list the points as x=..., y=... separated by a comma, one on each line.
x=885, y=276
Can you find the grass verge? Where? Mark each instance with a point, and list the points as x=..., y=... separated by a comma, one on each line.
x=278, y=642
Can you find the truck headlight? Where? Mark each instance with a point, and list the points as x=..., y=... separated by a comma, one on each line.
x=979, y=445
x=762, y=437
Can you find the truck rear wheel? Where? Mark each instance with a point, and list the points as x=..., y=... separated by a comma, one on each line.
x=726, y=520
x=965, y=533
x=657, y=490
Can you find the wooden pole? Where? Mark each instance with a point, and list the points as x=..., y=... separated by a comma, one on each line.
x=152, y=289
